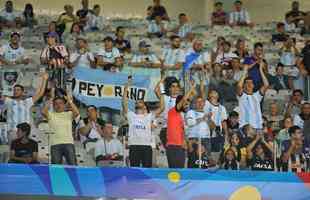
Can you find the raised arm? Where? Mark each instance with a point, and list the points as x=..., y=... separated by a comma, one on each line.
x=73, y=107
x=241, y=81
x=46, y=108
x=187, y=96
x=265, y=86
x=159, y=86
x=250, y=147
x=41, y=90
x=125, y=97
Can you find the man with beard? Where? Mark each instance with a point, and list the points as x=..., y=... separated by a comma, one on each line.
x=173, y=58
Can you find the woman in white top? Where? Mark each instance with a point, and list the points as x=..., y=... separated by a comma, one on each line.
x=140, y=138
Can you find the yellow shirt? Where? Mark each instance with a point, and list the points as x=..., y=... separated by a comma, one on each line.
x=61, y=126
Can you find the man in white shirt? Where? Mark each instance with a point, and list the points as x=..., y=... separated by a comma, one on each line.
x=250, y=111
x=145, y=58
x=8, y=16
x=157, y=27
x=82, y=57
x=108, y=54
x=108, y=149
x=198, y=124
x=184, y=26
x=140, y=137
x=13, y=53
x=173, y=58
x=95, y=22
x=19, y=108
x=239, y=17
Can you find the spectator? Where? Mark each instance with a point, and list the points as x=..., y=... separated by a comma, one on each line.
x=218, y=117
x=52, y=28
x=157, y=27
x=145, y=58
x=280, y=35
x=91, y=127
x=60, y=123
x=158, y=10
x=289, y=24
x=239, y=17
x=66, y=19
x=175, y=132
x=293, y=107
x=120, y=42
x=28, y=17
x=281, y=81
x=233, y=122
x=198, y=123
x=108, y=54
x=293, y=156
x=140, y=137
x=13, y=53
x=254, y=62
x=283, y=133
x=237, y=68
x=289, y=53
x=84, y=13
x=96, y=22
x=9, y=17
x=199, y=157
x=219, y=16
x=173, y=58
x=249, y=101
x=226, y=55
x=304, y=66
x=54, y=55
x=108, y=150
x=274, y=117
x=260, y=155
x=305, y=30
x=216, y=76
x=295, y=13
x=170, y=96
x=19, y=108
x=241, y=50
x=230, y=162
x=184, y=26
x=304, y=115
x=82, y=57
x=23, y=149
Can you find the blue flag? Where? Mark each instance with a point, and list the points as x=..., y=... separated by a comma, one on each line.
x=189, y=60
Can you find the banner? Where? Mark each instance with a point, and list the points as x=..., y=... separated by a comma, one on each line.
x=161, y=184
x=105, y=89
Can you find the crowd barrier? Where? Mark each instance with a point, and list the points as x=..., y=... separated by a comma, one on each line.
x=55, y=181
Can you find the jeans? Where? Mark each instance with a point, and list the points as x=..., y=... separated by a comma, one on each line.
x=175, y=156
x=63, y=150
x=140, y=154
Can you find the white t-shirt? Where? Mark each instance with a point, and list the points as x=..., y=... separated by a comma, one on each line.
x=151, y=57
x=83, y=60
x=195, y=129
x=169, y=103
x=10, y=16
x=140, y=131
x=11, y=54
x=219, y=113
x=109, y=56
x=171, y=57
x=298, y=121
x=250, y=110
x=104, y=147
x=18, y=112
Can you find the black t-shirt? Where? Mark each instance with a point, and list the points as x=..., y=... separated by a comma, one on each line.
x=124, y=43
x=305, y=53
x=279, y=37
x=232, y=165
x=194, y=161
x=297, y=13
x=258, y=164
x=82, y=13
x=24, y=150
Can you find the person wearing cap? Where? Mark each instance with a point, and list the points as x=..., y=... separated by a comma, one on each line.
x=13, y=53
x=157, y=27
x=23, y=149
x=108, y=53
x=54, y=55
x=145, y=58
x=8, y=16
x=82, y=56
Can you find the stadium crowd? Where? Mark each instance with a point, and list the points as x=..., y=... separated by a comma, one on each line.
x=223, y=98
